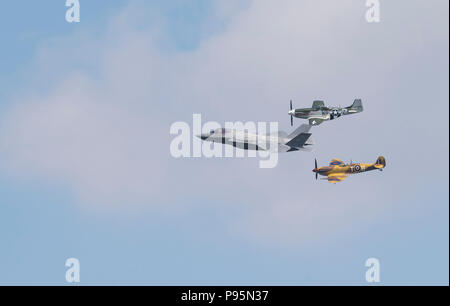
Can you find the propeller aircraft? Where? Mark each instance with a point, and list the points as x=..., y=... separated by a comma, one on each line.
x=319, y=113
x=337, y=171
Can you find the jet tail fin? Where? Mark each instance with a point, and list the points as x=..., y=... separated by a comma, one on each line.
x=304, y=128
x=299, y=137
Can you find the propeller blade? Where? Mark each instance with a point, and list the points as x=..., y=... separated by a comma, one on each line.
x=290, y=108
x=315, y=164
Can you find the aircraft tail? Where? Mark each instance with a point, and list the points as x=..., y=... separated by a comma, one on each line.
x=304, y=128
x=357, y=105
x=299, y=137
x=380, y=163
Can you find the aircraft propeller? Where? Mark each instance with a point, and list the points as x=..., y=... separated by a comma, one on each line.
x=292, y=118
x=315, y=167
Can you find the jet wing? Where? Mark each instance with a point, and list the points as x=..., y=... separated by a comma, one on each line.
x=335, y=178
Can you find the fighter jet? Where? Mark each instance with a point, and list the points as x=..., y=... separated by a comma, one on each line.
x=319, y=112
x=299, y=140
x=337, y=171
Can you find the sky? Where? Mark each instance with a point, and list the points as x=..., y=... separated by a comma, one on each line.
x=86, y=171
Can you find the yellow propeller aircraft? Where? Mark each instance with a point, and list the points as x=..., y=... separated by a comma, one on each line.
x=337, y=171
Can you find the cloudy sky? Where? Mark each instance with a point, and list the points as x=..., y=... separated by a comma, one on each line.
x=86, y=171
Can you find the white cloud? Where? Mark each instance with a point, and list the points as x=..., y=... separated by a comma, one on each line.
x=105, y=132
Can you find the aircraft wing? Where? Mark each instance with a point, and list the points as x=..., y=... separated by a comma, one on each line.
x=335, y=178
x=315, y=121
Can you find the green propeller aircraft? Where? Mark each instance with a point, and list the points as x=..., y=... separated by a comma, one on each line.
x=319, y=113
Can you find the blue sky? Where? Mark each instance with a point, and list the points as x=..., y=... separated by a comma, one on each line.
x=85, y=111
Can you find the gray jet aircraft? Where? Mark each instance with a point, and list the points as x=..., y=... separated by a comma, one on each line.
x=299, y=140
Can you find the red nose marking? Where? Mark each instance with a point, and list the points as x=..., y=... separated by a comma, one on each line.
x=315, y=170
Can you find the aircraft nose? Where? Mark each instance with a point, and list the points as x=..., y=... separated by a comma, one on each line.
x=202, y=136
x=291, y=112
x=315, y=170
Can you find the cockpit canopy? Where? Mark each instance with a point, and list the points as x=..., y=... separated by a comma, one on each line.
x=218, y=131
